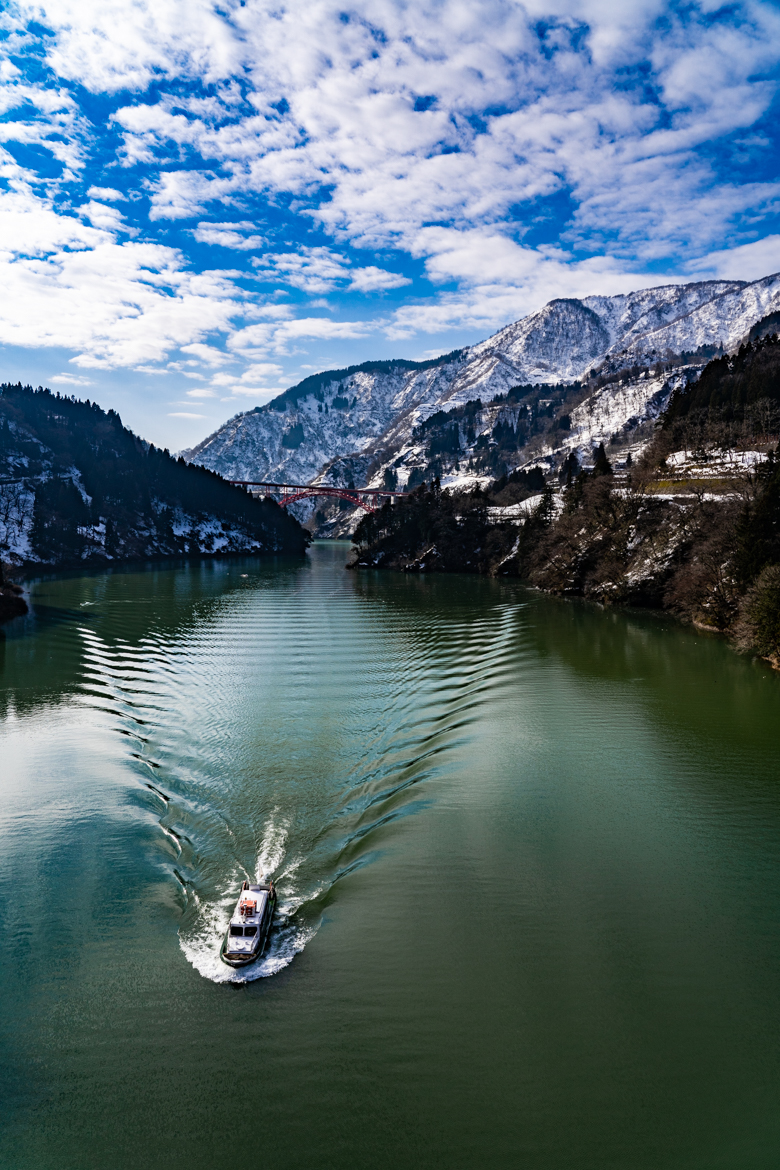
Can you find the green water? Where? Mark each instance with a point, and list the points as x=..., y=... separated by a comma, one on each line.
x=528, y=856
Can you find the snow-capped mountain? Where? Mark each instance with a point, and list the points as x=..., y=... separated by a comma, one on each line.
x=355, y=422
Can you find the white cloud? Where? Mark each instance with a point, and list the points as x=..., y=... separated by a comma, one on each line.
x=321, y=270
x=500, y=281
x=30, y=227
x=556, y=121
x=372, y=279
x=256, y=340
x=270, y=311
x=746, y=262
x=352, y=122
x=249, y=383
x=73, y=286
x=9, y=71
x=182, y=194
x=105, y=194
x=70, y=380
x=206, y=353
x=262, y=370
x=313, y=270
x=184, y=414
x=322, y=327
x=620, y=109
x=101, y=216
x=254, y=391
x=257, y=394
x=229, y=235
x=107, y=45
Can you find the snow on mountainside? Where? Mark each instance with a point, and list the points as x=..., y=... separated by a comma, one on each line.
x=359, y=422
x=292, y=438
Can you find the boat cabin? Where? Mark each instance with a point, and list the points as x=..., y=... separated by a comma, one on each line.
x=248, y=925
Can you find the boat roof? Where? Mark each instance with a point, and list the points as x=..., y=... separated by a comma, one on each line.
x=256, y=894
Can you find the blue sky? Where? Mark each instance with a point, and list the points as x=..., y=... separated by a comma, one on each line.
x=201, y=204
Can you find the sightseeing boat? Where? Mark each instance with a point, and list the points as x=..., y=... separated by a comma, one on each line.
x=250, y=922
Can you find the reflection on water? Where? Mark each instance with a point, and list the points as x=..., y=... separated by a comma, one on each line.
x=526, y=851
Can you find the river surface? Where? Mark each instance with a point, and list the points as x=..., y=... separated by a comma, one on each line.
x=528, y=855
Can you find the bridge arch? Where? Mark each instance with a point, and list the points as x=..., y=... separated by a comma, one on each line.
x=331, y=493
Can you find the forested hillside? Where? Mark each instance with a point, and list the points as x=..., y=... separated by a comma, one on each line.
x=742, y=388
x=76, y=487
x=691, y=525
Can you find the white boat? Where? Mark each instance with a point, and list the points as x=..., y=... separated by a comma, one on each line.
x=250, y=922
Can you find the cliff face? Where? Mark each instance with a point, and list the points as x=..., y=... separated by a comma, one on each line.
x=76, y=487
x=366, y=416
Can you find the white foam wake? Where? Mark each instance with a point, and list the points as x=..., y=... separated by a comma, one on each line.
x=201, y=946
x=271, y=853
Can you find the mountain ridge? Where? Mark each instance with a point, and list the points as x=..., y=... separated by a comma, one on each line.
x=364, y=416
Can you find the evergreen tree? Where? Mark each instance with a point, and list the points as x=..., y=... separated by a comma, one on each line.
x=601, y=465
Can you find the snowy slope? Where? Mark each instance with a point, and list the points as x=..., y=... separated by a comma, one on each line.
x=252, y=445
x=724, y=320
x=612, y=408
x=362, y=419
x=632, y=317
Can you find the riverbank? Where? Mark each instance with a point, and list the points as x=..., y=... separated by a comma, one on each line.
x=648, y=539
x=12, y=603
x=688, y=522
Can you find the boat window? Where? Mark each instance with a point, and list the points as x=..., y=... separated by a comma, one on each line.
x=250, y=930
x=236, y=931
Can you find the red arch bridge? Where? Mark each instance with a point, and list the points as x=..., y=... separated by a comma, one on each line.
x=287, y=493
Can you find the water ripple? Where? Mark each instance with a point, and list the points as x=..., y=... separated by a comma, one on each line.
x=283, y=731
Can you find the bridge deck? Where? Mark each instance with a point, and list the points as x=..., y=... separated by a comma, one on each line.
x=300, y=487
x=290, y=492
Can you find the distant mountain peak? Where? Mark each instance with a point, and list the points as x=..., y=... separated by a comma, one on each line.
x=363, y=416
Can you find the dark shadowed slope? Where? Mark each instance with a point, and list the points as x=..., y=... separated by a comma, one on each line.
x=76, y=487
